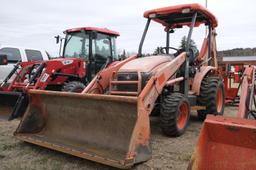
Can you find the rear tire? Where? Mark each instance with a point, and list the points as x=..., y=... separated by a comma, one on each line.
x=174, y=114
x=212, y=97
x=155, y=111
x=73, y=86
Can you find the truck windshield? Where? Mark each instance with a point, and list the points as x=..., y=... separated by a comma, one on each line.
x=77, y=45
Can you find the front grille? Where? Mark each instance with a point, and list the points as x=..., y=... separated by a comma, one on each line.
x=126, y=87
x=129, y=87
x=129, y=83
x=127, y=76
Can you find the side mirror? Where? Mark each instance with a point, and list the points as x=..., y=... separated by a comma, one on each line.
x=57, y=39
x=3, y=59
x=172, y=31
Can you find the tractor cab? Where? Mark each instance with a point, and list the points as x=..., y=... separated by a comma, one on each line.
x=96, y=46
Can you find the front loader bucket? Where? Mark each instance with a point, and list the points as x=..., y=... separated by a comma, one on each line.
x=100, y=128
x=12, y=104
x=225, y=143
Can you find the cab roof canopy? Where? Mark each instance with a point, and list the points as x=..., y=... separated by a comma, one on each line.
x=180, y=15
x=100, y=30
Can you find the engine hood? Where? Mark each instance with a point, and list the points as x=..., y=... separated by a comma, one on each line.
x=145, y=64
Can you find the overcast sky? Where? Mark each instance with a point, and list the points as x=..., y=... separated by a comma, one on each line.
x=34, y=23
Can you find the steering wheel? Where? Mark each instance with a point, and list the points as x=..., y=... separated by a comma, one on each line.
x=163, y=50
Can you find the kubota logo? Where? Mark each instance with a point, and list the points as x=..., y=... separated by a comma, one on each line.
x=45, y=77
x=67, y=62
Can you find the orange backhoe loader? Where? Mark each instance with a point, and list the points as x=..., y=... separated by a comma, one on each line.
x=109, y=121
x=229, y=142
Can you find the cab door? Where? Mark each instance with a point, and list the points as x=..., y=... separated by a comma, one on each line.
x=101, y=51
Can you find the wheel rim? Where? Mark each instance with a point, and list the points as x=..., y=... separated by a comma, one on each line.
x=183, y=116
x=219, y=100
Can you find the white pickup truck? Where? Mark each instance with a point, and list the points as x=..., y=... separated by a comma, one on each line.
x=15, y=54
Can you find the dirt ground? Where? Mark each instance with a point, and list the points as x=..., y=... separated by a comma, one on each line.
x=168, y=153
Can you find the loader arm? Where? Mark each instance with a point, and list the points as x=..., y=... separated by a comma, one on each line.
x=157, y=82
x=147, y=98
x=247, y=88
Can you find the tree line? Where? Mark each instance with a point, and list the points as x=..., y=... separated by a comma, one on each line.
x=223, y=53
x=238, y=52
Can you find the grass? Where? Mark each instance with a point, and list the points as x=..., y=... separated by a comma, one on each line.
x=168, y=153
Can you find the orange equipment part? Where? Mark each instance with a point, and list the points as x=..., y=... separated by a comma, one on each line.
x=229, y=143
x=247, y=88
x=179, y=8
x=225, y=143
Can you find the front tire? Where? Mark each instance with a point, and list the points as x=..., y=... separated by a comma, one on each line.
x=212, y=97
x=73, y=86
x=174, y=114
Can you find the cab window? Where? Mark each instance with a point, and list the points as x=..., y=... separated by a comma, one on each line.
x=101, y=47
x=77, y=45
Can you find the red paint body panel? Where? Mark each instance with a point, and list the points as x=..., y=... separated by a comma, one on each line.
x=75, y=67
x=101, y=30
x=229, y=78
x=230, y=92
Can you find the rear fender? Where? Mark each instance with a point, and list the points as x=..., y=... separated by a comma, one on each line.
x=200, y=75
